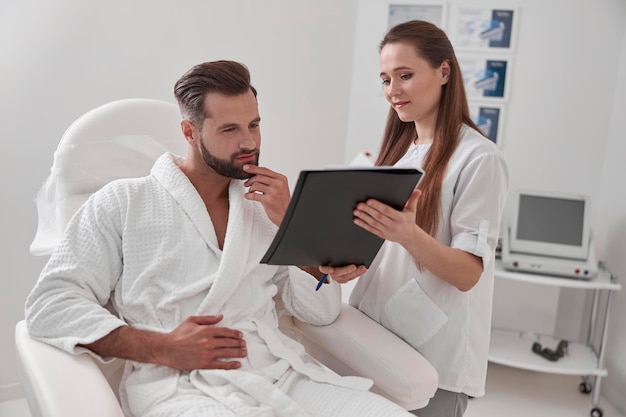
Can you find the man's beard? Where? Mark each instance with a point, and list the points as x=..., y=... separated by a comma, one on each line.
x=228, y=168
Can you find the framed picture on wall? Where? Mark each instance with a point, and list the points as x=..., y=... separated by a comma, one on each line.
x=485, y=77
x=489, y=118
x=402, y=11
x=483, y=29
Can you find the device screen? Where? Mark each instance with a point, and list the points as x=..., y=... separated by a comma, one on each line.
x=551, y=220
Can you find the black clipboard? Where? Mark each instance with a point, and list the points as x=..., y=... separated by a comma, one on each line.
x=318, y=227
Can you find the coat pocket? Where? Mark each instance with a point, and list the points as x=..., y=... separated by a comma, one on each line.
x=412, y=315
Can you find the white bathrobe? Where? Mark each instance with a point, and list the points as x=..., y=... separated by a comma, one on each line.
x=147, y=246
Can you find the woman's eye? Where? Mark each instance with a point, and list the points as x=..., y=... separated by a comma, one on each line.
x=385, y=82
x=406, y=76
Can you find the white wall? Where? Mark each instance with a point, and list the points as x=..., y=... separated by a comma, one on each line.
x=613, y=232
x=564, y=69
x=58, y=59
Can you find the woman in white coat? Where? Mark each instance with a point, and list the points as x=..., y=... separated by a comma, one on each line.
x=432, y=281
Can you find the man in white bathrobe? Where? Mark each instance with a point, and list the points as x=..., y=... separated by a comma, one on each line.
x=176, y=254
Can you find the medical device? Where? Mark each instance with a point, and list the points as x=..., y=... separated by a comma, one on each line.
x=549, y=233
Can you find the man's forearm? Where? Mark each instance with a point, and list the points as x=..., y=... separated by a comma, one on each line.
x=126, y=342
x=197, y=343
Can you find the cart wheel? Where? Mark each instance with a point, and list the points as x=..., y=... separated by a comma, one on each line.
x=584, y=387
x=596, y=412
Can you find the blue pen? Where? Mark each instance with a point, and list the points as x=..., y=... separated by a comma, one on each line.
x=320, y=282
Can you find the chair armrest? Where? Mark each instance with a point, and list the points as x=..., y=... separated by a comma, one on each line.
x=59, y=384
x=357, y=345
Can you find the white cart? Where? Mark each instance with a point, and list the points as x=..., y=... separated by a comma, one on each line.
x=513, y=347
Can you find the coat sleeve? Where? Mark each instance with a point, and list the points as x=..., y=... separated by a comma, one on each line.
x=66, y=306
x=480, y=197
x=297, y=291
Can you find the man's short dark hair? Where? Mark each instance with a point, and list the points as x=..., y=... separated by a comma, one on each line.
x=225, y=77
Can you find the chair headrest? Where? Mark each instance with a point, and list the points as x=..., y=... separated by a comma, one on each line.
x=120, y=139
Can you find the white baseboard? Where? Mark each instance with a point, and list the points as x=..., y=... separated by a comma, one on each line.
x=11, y=391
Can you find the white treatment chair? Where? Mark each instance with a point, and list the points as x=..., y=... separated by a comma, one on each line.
x=99, y=147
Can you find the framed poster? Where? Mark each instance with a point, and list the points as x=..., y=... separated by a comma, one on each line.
x=483, y=29
x=485, y=77
x=402, y=11
x=489, y=118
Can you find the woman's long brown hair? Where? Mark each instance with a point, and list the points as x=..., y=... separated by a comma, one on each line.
x=431, y=44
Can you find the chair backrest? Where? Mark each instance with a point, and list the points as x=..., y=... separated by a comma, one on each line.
x=120, y=139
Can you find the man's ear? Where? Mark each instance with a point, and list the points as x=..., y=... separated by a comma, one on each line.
x=445, y=72
x=188, y=130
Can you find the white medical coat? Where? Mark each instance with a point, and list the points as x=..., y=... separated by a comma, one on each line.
x=448, y=327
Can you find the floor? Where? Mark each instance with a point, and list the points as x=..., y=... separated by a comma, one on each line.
x=510, y=392
x=515, y=393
